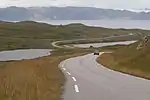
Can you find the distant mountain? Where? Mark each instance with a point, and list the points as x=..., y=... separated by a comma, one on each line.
x=15, y=14
x=68, y=13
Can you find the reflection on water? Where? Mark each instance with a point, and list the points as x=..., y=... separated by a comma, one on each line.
x=103, y=44
x=23, y=54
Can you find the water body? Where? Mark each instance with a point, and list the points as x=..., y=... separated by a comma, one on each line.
x=128, y=24
x=103, y=44
x=23, y=54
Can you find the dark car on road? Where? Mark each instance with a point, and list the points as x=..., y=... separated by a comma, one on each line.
x=96, y=52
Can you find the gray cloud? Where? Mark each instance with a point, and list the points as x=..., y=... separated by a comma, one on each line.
x=124, y=4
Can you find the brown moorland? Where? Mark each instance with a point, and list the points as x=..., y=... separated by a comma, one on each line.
x=37, y=79
x=128, y=59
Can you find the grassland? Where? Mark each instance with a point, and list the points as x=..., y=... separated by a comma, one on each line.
x=37, y=79
x=30, y=34
x=41, y=79
x=128, y=59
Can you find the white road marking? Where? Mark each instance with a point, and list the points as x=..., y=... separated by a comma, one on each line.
x=68, y=73
x=74, y=79
x=63, y=64
x=76, y=88
x=64, y=68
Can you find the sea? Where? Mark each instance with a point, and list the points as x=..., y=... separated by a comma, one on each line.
x=127, y=24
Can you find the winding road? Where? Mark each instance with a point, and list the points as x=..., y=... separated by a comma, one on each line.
x=88, y=80
x=56, y=43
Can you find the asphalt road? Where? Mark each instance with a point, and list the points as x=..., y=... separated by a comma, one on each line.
x=55, y=44
x=88, y=80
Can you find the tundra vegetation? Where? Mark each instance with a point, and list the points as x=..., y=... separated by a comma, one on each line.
x=129, y=59
x=41, y=78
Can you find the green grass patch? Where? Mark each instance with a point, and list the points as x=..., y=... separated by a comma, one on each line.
x=30, y=34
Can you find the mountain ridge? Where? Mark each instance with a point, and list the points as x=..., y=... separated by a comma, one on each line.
x=68, y=13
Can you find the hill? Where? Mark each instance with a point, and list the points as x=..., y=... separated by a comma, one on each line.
x=69, y=13
x=130, y=59
x=29, y=34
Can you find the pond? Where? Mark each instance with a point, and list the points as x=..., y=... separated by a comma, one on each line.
x=23, y=54
x=103, y=44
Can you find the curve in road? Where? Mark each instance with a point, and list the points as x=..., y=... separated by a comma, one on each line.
x=55, y=44
x=88, y=80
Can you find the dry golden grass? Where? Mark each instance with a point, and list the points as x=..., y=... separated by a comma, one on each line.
x=109, y=61
x=37, y=79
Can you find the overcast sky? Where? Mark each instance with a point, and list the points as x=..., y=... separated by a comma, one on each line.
x=120, y=4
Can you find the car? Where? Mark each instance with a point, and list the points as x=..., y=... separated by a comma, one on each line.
x=96, y=52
